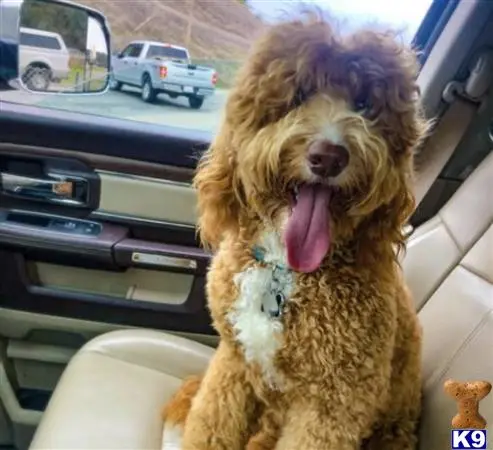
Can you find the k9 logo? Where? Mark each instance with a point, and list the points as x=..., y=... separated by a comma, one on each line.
x=468, y=439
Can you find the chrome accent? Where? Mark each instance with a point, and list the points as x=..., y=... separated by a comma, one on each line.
x=57, y=188
x=103, y=215
x=163, y=261
x=144, y=178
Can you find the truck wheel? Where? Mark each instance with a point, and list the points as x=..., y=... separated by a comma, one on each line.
x=114, y=84
x=195, y=102
x=37, y=78
x=149, y=94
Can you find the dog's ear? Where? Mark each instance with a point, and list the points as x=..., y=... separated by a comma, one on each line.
x=401, y=208
x=218, y=193
x=387, y=223
x=384, y=73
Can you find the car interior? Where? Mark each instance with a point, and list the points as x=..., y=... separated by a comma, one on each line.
x=102, y=303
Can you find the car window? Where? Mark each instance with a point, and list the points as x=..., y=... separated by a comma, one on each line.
x=161, y=51
x=127, y=50
x=134, y=51
x=38, y=40
x=217, y=34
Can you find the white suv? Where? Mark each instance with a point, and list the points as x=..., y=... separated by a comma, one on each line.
x=43, y=58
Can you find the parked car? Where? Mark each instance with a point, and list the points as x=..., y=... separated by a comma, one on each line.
x=44, y=58
x=9, y=65
x=157, y=68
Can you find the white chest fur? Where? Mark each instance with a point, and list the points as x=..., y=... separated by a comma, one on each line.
x=260, y=334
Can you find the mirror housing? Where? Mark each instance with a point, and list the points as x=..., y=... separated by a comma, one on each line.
x=44, y=54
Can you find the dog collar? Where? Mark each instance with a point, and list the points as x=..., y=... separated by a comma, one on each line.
x=259, y=255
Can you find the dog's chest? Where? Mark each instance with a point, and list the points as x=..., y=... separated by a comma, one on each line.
x=256, y=316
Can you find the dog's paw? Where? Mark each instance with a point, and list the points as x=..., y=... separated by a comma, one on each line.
x=172, y=436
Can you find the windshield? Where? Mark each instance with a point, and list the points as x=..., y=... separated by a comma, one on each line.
x=161, y=51
x=217, y=35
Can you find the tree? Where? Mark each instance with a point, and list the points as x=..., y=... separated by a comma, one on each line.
x=69, y=22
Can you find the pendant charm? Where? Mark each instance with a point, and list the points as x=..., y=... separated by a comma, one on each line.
x=273, y=305
x=274, y=298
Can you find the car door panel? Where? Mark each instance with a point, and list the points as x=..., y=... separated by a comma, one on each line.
x=22, y=293
x=157, y=184
x=128, y=68
x=121, y=69
x=143, y=267
x=134, y=69
x=172, y=147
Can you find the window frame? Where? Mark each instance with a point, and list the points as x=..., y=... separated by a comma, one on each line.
x=433, y=23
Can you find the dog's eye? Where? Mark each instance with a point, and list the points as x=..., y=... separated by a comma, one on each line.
x=362, y=105
x=300, y=98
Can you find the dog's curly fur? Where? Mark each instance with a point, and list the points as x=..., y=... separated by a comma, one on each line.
x=349, y=354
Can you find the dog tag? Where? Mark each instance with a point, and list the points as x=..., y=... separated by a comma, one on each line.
x=272, y=304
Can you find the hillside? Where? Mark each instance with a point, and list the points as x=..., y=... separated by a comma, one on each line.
x=215, y=29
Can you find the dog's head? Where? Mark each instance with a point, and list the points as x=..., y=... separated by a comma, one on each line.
x=317, y=141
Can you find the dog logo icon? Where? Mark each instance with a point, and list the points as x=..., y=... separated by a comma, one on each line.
x=468, y=425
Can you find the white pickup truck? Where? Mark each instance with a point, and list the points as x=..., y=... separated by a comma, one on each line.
x=43, y=58
x=157, y=68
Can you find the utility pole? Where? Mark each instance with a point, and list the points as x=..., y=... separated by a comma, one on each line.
x=188, y=35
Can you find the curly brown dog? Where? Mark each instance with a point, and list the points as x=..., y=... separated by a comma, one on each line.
x=303, y=195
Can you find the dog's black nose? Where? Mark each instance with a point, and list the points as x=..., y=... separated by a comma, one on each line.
x=326, y=159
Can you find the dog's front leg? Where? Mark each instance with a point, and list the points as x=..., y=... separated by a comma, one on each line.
x=220, y=413
x=308, y=428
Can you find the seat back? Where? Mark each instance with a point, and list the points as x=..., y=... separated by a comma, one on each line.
x=449, y=267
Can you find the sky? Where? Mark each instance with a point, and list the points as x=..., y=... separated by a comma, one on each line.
x=406, y=15
x=95, y=36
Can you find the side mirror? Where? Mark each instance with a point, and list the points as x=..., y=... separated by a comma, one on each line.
x=63, y=47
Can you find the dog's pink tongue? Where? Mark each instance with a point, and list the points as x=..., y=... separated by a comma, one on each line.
x=307, y=235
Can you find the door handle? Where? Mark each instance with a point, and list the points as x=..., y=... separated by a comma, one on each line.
x=57, y=188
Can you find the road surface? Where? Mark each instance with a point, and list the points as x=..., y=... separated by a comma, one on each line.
x=127, y=104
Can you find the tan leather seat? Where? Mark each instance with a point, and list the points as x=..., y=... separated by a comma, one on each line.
x=112, y=391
